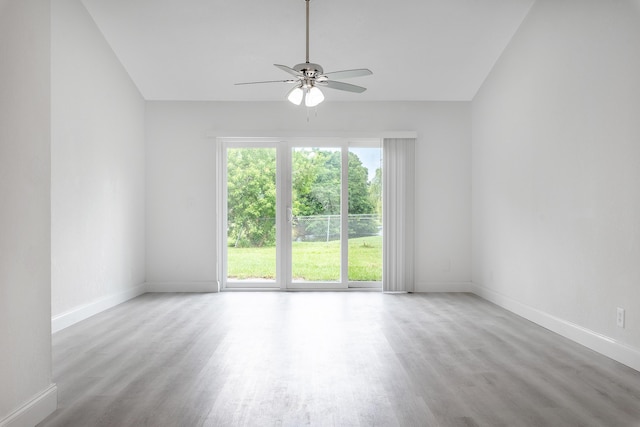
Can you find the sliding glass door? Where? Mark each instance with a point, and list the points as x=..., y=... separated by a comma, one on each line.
x=252, y=202
x=317, y=215
x=302, y=214
x=365, y=215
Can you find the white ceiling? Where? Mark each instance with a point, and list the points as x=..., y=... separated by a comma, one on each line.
x=417, y=49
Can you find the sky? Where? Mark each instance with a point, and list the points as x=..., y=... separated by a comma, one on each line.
x=371, y=158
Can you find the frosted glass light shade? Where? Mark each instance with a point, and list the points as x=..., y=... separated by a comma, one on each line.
x=314, y=97
x=295, y=95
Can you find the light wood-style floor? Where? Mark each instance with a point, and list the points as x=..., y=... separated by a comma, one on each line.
x=343, y=359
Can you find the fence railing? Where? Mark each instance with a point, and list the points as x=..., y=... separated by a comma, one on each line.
x=327, y=227
x=262, y=231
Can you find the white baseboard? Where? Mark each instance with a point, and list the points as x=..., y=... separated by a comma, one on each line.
x=34, y=411
x=602, y=344
x=85, y=311
x=443, y=287
x=182, y=286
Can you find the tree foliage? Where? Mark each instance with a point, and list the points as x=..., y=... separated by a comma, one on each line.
x=251, y=193
x=251, y=196
x=316, y=182
x=359, y=201
x=375, y=192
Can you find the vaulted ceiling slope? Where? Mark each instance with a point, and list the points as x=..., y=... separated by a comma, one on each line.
x=418, y=49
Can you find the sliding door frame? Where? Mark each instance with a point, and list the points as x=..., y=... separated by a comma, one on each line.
x=222, y=217
x=342, y=283
x=284, y=147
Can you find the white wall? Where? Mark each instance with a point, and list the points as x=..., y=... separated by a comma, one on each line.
x=556, y=173
x=97, y=171
x=181, y=180
x=26, y=392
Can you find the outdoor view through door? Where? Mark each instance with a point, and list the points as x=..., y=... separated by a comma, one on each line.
x=251, y=214
x=303, y=216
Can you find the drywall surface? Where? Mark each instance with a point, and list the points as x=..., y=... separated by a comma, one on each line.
x=556, y=168
x=25, y=310
x=181, y=186
x=97, y=166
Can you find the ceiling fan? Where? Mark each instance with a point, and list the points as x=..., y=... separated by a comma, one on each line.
x=308, y=77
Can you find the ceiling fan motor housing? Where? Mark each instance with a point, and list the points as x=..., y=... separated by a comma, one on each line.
x=309, y=69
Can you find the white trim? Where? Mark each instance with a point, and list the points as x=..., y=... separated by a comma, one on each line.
x=309, y=289
x=220, y=221
x=247, y=142
x=271, y=135
x=284, y=208
x=443, y=287
x=251, y=284
x=34, y=411
x=600, y=343
x=365, y=285
x=344, y=215
x=80, y=313
x=204, y=286
x=338, y=285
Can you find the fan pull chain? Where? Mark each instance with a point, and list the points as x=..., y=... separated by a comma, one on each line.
x=315, y=112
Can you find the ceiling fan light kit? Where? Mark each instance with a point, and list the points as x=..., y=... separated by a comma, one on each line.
x=295, y=95
x=314, y=97
x=309, y=76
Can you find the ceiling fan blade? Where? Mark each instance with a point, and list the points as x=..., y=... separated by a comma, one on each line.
x=268, y=81
x=348, y=74
x=341, y=86
x=289, y=70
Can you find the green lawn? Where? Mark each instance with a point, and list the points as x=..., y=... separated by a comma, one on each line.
x=313, y=261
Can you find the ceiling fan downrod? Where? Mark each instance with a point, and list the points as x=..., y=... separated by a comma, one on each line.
x=307, y=58
x=309, y=70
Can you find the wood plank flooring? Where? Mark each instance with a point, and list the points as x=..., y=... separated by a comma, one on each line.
x=330, y=359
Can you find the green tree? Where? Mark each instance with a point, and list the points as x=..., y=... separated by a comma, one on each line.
x=325, y=191
x=316, y=190
x=316, y=186
x=251, y=193
x=251, y=196
x=359, y=200
x=307, y=165
x=316, y=183
x=375, y=192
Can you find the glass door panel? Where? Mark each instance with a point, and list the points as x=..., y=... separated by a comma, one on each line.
x=251, y=216
x=365, y=216
x=315, y=217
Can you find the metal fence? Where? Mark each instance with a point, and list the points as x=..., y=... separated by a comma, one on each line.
x=261, y=232
x=327, y=227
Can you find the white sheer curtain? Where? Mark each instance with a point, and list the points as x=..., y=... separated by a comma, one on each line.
x=398, y=215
